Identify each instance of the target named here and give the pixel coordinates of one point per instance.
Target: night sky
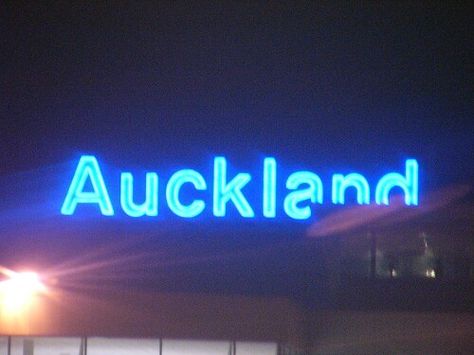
(145, 86)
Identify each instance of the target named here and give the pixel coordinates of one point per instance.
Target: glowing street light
(19, 291)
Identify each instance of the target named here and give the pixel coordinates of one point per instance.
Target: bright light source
(430, 273)
(19, 291)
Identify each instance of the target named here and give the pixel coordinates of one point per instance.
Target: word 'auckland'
(303, 189)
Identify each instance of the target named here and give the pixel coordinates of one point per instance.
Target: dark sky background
(327, 83)
(328, 86)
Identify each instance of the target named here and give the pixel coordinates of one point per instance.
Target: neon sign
(303, 189)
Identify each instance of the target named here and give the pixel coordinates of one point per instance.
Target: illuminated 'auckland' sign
(303, 189)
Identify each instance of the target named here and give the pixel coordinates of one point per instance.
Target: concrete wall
(170, 315)
(392, 332)
(197, 316)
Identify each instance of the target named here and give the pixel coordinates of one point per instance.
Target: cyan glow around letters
(303, 189)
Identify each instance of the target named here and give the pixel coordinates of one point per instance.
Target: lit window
(251, 348)
(45, 346)
(114, 346)
(195, 347)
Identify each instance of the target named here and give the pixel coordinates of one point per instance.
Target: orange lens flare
(19, 291)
